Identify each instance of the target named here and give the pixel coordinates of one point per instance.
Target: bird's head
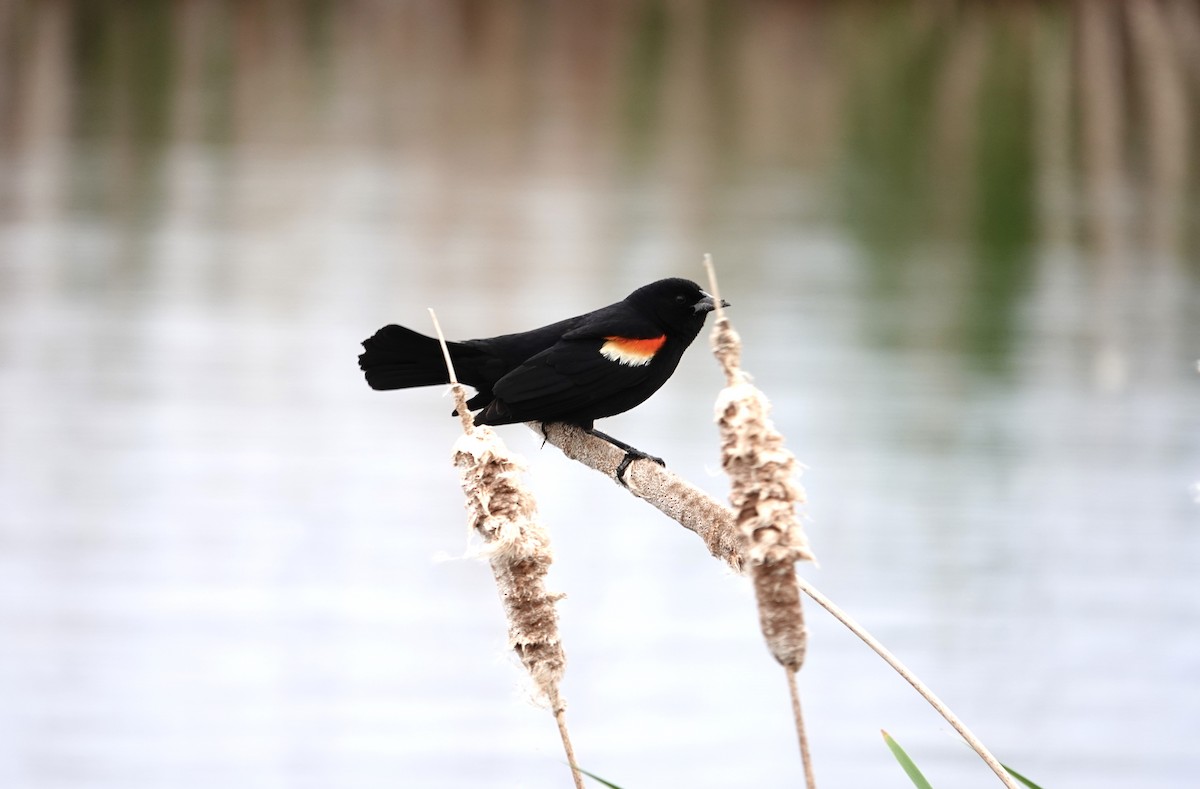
(679, 304)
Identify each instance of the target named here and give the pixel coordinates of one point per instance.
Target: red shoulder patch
(631, 350)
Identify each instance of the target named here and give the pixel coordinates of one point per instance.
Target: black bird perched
(575, 371)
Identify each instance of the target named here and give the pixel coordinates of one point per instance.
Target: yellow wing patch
(630, 351)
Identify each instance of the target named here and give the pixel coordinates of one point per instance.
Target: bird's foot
(631, 454)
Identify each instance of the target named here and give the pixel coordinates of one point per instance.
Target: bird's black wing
(581, 376)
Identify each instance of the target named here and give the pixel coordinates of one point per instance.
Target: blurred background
(962, 245)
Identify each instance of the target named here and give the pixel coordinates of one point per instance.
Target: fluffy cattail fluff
(504, 513)
(764, 495)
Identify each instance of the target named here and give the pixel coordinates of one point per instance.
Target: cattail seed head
(764, 495)
(504, 514)
(762, 472)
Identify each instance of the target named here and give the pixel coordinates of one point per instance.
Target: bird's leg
(631, 453)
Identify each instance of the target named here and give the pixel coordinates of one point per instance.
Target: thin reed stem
(810, 780)
(560, 718)
(911, 678)
(460, 393)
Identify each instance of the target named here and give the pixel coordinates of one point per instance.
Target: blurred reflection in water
(962, 246)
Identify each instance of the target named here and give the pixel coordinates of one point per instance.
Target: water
(962, 252)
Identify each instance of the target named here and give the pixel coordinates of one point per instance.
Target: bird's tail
(399, 358)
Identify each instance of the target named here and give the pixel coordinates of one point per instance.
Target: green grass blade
(910, 768)
(1020, 777)
(595, 777)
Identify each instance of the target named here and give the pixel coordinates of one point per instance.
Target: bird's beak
(708, 304)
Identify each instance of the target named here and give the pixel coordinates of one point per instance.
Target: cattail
(504, 514)
(764, 495)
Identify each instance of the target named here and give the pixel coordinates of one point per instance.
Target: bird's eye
(681, 299)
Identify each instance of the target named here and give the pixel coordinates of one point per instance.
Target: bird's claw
(630, 456)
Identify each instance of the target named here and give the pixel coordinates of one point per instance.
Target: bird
(573, 371)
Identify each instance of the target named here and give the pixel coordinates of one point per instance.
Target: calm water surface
(962, 251)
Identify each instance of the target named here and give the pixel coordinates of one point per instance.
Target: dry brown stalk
(764, 494)
(503, 511)
(674, 496)
(805, 756)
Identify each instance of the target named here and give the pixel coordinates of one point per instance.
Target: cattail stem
(912, 679)
(764, 496)
(672, 495)
(460, 394)
(560, 718)
(810, 780)
(504, 514)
